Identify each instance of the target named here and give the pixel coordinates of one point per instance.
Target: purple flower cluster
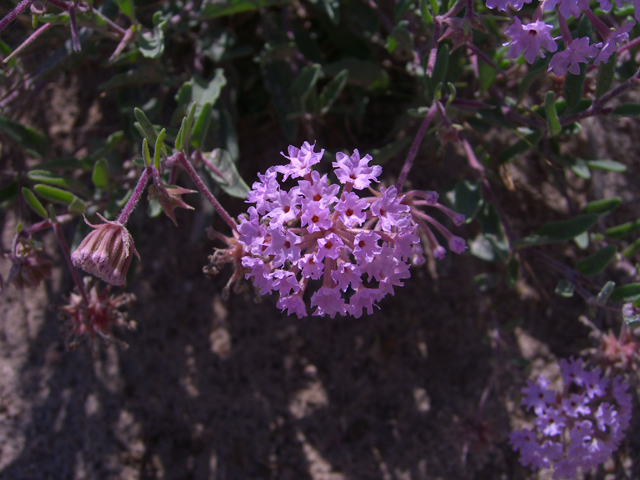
(528, 39)
(580, 427)
(359, 248)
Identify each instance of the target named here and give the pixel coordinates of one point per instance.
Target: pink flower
(576, 53)
(329, 302)
(352, 209)
(529, 38)
(611, 42)
(568, 7)
(301, 159)
(355, 170)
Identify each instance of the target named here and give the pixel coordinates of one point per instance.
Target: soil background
(425, 388)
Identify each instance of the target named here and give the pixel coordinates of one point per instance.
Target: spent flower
(106, 252)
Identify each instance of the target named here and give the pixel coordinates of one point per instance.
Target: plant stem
(408, 163)
(67, 256)
(135, 196)
(11, 16)
(205, 191)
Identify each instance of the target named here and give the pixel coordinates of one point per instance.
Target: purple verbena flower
(574, 429)
(576, 53)
(529, 38)
(611, 42)
(568, 8)
(319, 231)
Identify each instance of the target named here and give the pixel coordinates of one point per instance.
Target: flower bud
(106, 252)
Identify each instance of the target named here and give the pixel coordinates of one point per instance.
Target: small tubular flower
(106, 252)
(529, 38)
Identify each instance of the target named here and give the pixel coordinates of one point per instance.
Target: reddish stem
(66, 253)
(11, 16)
(205, 191)
(408, 163)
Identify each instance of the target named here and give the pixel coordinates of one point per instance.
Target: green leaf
(45, 176)
(626, 293)
(303, 85)
(604, 79)
(580, 168)
(632, 249)
(598, 261)
(567, 229)
(100, 174)
(425, 11)
(202, 91)
(603, 207)
(401, 8)
(608, 165)
(152, 43)
(221, 8)
(565, 289)
(77, 206)
(620, 231)
(605, 293)
(157, 153)
(332, 90)
(178, 144)
(627, 110)
(467, 198)
(559, 231)
(53, 194)
(552, 114)
(146, 157)
(149, 131)
(201, 126)
(573, 88)
(521, 146)
(34, 142)
(65, 164)
(188, 126)
(34, 203)
(126, 7)
(230, 181)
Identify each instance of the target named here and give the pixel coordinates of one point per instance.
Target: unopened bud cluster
(578, 428)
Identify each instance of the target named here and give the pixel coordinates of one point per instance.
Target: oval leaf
(620, 231)
(28, 138)
(45, 176)
(201, 126)
(230, 181)
(34, 203)
(55, 195)
(567, 229)
(597, 262)
(628, 110)
(603, 207)
(626, 293)
(100, 175)
(608, 165)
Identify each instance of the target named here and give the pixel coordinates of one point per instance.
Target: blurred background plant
(433, 90)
